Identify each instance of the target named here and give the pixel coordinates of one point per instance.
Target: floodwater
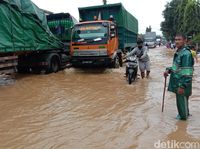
(95, 109)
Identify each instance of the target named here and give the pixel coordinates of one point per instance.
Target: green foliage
(191, 19)
(196, 38)
(171, 15)
(180, 13)
(181, 16)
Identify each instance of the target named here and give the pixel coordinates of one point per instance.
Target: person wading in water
(144, 61)
(181, 74)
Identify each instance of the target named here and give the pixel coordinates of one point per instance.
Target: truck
(150, 39)
(60, 25)
(102, 35)
(27, 43)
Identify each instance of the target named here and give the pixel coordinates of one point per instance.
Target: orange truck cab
(95, 43)
(101, 40)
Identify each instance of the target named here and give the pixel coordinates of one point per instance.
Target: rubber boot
(148, 72)
(142, 75)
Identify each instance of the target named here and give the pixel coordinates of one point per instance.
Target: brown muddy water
(94, 109)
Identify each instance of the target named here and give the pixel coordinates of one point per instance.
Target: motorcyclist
(144, 61)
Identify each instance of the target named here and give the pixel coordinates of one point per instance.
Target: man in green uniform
(181, 74)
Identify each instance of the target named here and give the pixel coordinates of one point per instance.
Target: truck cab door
(113, 40)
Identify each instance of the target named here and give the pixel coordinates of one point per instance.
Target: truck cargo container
(26, 41)
(102, 34)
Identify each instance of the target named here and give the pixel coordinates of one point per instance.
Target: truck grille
(95, 52)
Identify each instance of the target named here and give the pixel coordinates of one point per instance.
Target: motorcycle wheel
(129, 78)
(135, 75)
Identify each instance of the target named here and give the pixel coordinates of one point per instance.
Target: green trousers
(182, 106)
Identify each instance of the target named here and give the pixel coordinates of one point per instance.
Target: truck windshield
(89, 31)
(149, 40)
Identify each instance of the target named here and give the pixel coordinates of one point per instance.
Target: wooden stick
(164, 94)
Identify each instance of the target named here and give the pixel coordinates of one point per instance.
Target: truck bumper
(91, 61)
(150, 44)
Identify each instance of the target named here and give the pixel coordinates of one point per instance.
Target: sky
(148, 12)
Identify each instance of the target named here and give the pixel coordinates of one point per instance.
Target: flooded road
(95, 109)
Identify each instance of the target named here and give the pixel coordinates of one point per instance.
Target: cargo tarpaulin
(60, 25)
(24, 27)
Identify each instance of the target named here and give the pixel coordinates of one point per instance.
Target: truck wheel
(116, 62)
(54, 64)
(120, 59)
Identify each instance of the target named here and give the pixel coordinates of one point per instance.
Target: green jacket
(181, 72)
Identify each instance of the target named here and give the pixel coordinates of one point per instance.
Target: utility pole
(104, 2)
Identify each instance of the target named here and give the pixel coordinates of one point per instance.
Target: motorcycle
(131, 68)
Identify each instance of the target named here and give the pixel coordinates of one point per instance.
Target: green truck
(60, 25)
(26, 40)
(127, 24)
(102, 34)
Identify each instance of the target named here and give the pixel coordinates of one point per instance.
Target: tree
(181, 16)
(191, 22)
(169, 25)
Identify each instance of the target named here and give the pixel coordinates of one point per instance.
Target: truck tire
(120, 59)
(115, 63)
(54, 65)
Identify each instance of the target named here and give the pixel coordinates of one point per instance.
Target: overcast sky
(148, 12)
